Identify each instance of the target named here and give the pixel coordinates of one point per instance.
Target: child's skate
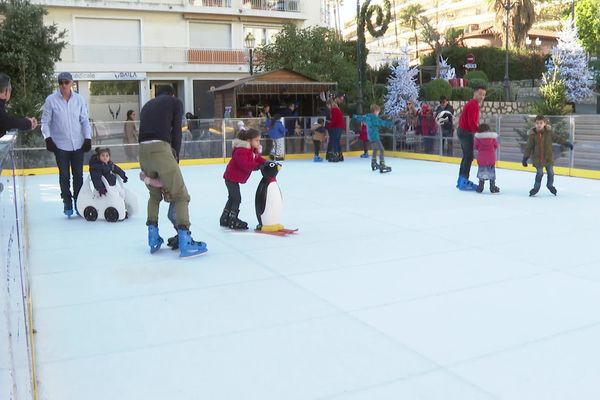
(493, 187)
(480, 186)
(384, 168)
(236, 223)
(552, 190)
(374, 165)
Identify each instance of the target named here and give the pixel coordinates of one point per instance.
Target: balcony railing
(211, 3)
(150, 55)
(273, 5)
(267, 5)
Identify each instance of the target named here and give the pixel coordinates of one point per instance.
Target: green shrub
(493, 94)
(480, 75)
(435, 89)
(553, 94)
(462, 93)
(473, 83)
(490, 60)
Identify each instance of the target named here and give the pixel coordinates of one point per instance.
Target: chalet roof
(491, 30)
(278, 77)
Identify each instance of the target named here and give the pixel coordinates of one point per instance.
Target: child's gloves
(569, 145)
(524, 162)
(102, 191)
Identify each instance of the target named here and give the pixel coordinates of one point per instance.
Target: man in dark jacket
(8, 122)
(160, 143)
(444, 115)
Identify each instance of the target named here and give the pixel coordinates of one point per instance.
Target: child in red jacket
(486, 144)
(245, 158)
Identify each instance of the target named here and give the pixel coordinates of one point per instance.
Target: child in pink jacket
(486, 144)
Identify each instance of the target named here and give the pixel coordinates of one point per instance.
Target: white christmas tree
(571, 60)
(401, 87)
(446, 70)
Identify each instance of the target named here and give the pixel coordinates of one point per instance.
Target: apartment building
(120, 50)
(470, 15)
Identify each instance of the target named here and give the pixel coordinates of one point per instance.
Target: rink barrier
(15, 225)
(511, 165)
(209, 141)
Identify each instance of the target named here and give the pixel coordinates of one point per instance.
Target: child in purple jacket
(486, 144)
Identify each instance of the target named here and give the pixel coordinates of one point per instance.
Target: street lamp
(359, 64)
(249, 44)
(506, 86)
(534, 45)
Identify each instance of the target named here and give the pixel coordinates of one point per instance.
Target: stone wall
(492, 107)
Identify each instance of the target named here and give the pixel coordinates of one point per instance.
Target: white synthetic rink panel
(397, 286)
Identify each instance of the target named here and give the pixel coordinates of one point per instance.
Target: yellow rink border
(565, 171)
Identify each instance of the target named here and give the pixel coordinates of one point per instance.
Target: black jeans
(235, 196)
(69, 163)
(466, 144)
(317, 144)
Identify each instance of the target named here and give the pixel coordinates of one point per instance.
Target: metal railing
(16, 368)
(150, 55)
(211, 3)
(273, 5)
(211, 138)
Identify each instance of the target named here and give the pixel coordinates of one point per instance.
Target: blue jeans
(540, 174)
(69, 163)
(335, 135)
(172, 215)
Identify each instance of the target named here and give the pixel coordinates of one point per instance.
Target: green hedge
(462, 93)
(435, 89)
(473, 83)
(493, 94)
(479, 75)
(490, 60)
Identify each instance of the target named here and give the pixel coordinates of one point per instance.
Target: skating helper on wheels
(269, 202)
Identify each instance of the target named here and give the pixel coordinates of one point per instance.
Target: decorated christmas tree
(571, 60)
(401, 87)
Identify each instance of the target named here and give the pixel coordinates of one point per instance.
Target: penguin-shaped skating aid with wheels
(269, 202)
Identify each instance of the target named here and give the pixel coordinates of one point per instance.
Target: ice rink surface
(397, 286)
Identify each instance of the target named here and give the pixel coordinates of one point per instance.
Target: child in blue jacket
(277, 134)
(373, 123)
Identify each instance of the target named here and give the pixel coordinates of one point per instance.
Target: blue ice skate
(317, 159)
(465, 184)
(188, 247)
(68, 208)
(154, 239)
(364, 155)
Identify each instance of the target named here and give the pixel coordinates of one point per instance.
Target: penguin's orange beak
(279, 166)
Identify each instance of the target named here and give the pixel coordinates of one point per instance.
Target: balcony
(151, 55)
(211, 3)
(228, 7)
(272, 5)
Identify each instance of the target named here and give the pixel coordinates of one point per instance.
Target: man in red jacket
(336, 128)
(467, 127)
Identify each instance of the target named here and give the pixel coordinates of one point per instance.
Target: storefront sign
(108, 76)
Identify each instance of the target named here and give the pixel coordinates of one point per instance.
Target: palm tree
(411, 18)
(522, 17)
